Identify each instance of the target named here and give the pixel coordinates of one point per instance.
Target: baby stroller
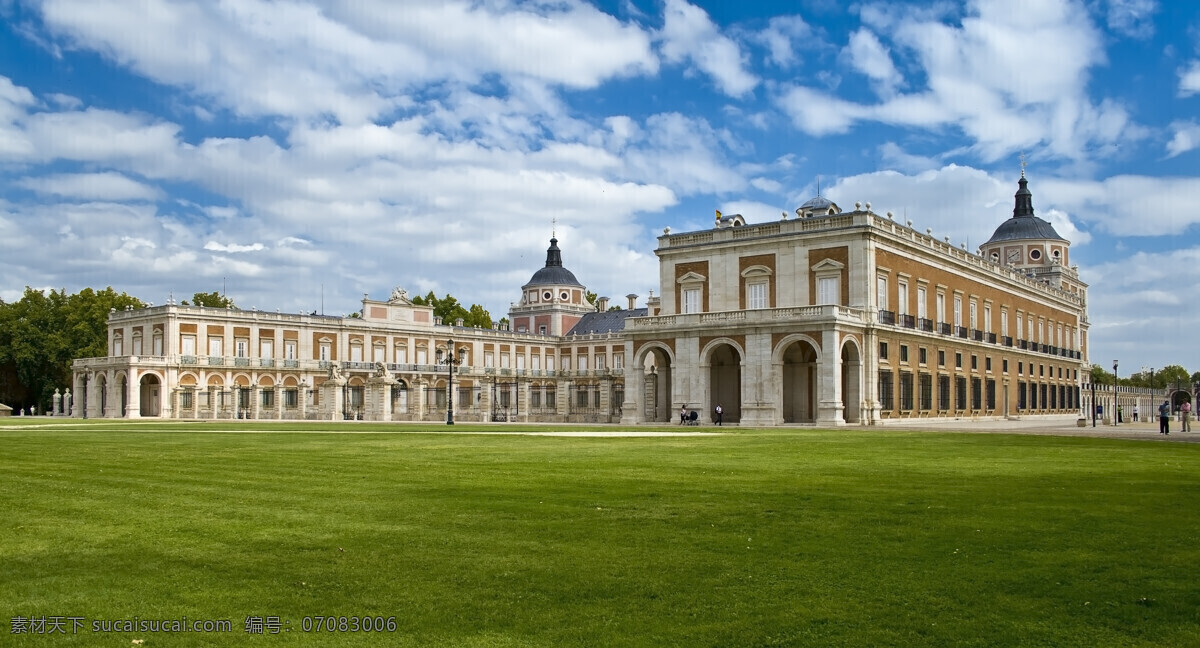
(693, 418)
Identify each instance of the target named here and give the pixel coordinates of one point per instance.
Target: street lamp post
(1093, 401)
(451, 360)
(1116, 388)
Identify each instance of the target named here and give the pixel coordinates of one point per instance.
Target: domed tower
(552, 301)
(1029, 244)
(817, 207)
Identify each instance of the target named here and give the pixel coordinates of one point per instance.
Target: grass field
(755, 538)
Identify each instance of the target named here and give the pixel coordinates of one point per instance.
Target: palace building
(826, 318)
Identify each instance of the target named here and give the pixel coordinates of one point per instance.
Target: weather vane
(1022, 164)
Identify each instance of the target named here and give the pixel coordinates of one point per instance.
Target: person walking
(719, 414)
(1164, 418)
(1185, 414)
(683, 415)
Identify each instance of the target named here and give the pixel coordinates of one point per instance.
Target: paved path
(1054, 426)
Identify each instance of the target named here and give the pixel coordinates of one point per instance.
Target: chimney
(632, 300)
(602, 304)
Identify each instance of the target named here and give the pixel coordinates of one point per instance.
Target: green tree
(1170, 376)
(212, 299)
(41, 334)
(478, 317)
(450, 310)
(1100, 376)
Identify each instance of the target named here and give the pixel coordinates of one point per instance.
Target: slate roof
(605, 322)
(554, 274)
(1024, 225)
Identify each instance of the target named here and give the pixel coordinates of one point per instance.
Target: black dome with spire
(1024, 225)
(554, 274)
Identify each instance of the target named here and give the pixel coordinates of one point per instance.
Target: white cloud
(688, 34)
(870, 57)
(984, 78)
(1133, 18)
(1186, 137)
(354, 61)
(233, 247)
(961, 202)
(780, 38)
(1120, 204)
(106, 186)
(1189, 79)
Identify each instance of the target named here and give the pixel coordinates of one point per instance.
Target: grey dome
(1024, 225)
(554, 274)
(819, 202)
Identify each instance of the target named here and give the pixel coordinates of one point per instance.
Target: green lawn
(755, 538)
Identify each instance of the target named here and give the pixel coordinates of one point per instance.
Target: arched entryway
(725, 381)
(123, 395)
(799, 388)
(651, 382)
(100, 386)
(150, 393)
(851, 382)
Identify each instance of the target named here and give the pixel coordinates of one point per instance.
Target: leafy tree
(1100, 376)
(478, 317)
(1171, 375)
(450, 310)
(41, 334)
(212, 299)
(591, 298)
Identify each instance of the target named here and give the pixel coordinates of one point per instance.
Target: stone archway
(725, 381)
(150, 395)
(851, 360)
(123, 395)
(799, 385)
(101, 388)
(658, 386)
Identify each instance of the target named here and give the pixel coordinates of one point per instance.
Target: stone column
(635, 386)
(829, 380)
(255, 400)
(133, 388)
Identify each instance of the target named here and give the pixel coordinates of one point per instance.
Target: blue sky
(300, 154)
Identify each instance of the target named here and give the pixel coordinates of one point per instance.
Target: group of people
(1164, 417)
(684, 416)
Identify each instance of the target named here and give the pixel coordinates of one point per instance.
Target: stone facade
(830, 318)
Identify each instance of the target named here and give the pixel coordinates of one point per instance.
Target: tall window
(289, 349)
(881, 290)
(240, 346)
(187, 345)
(987, 319)
(215, 346)
(974, 316)
(756, 295)
(266, 348)
(378, 353)
(324, 349)
(1020, 324)
(827, 290)
(921, 308)
(1004, 323)
(902, 298)
(691, 300)
(887, 390)
(941, 307)
(957, 311)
